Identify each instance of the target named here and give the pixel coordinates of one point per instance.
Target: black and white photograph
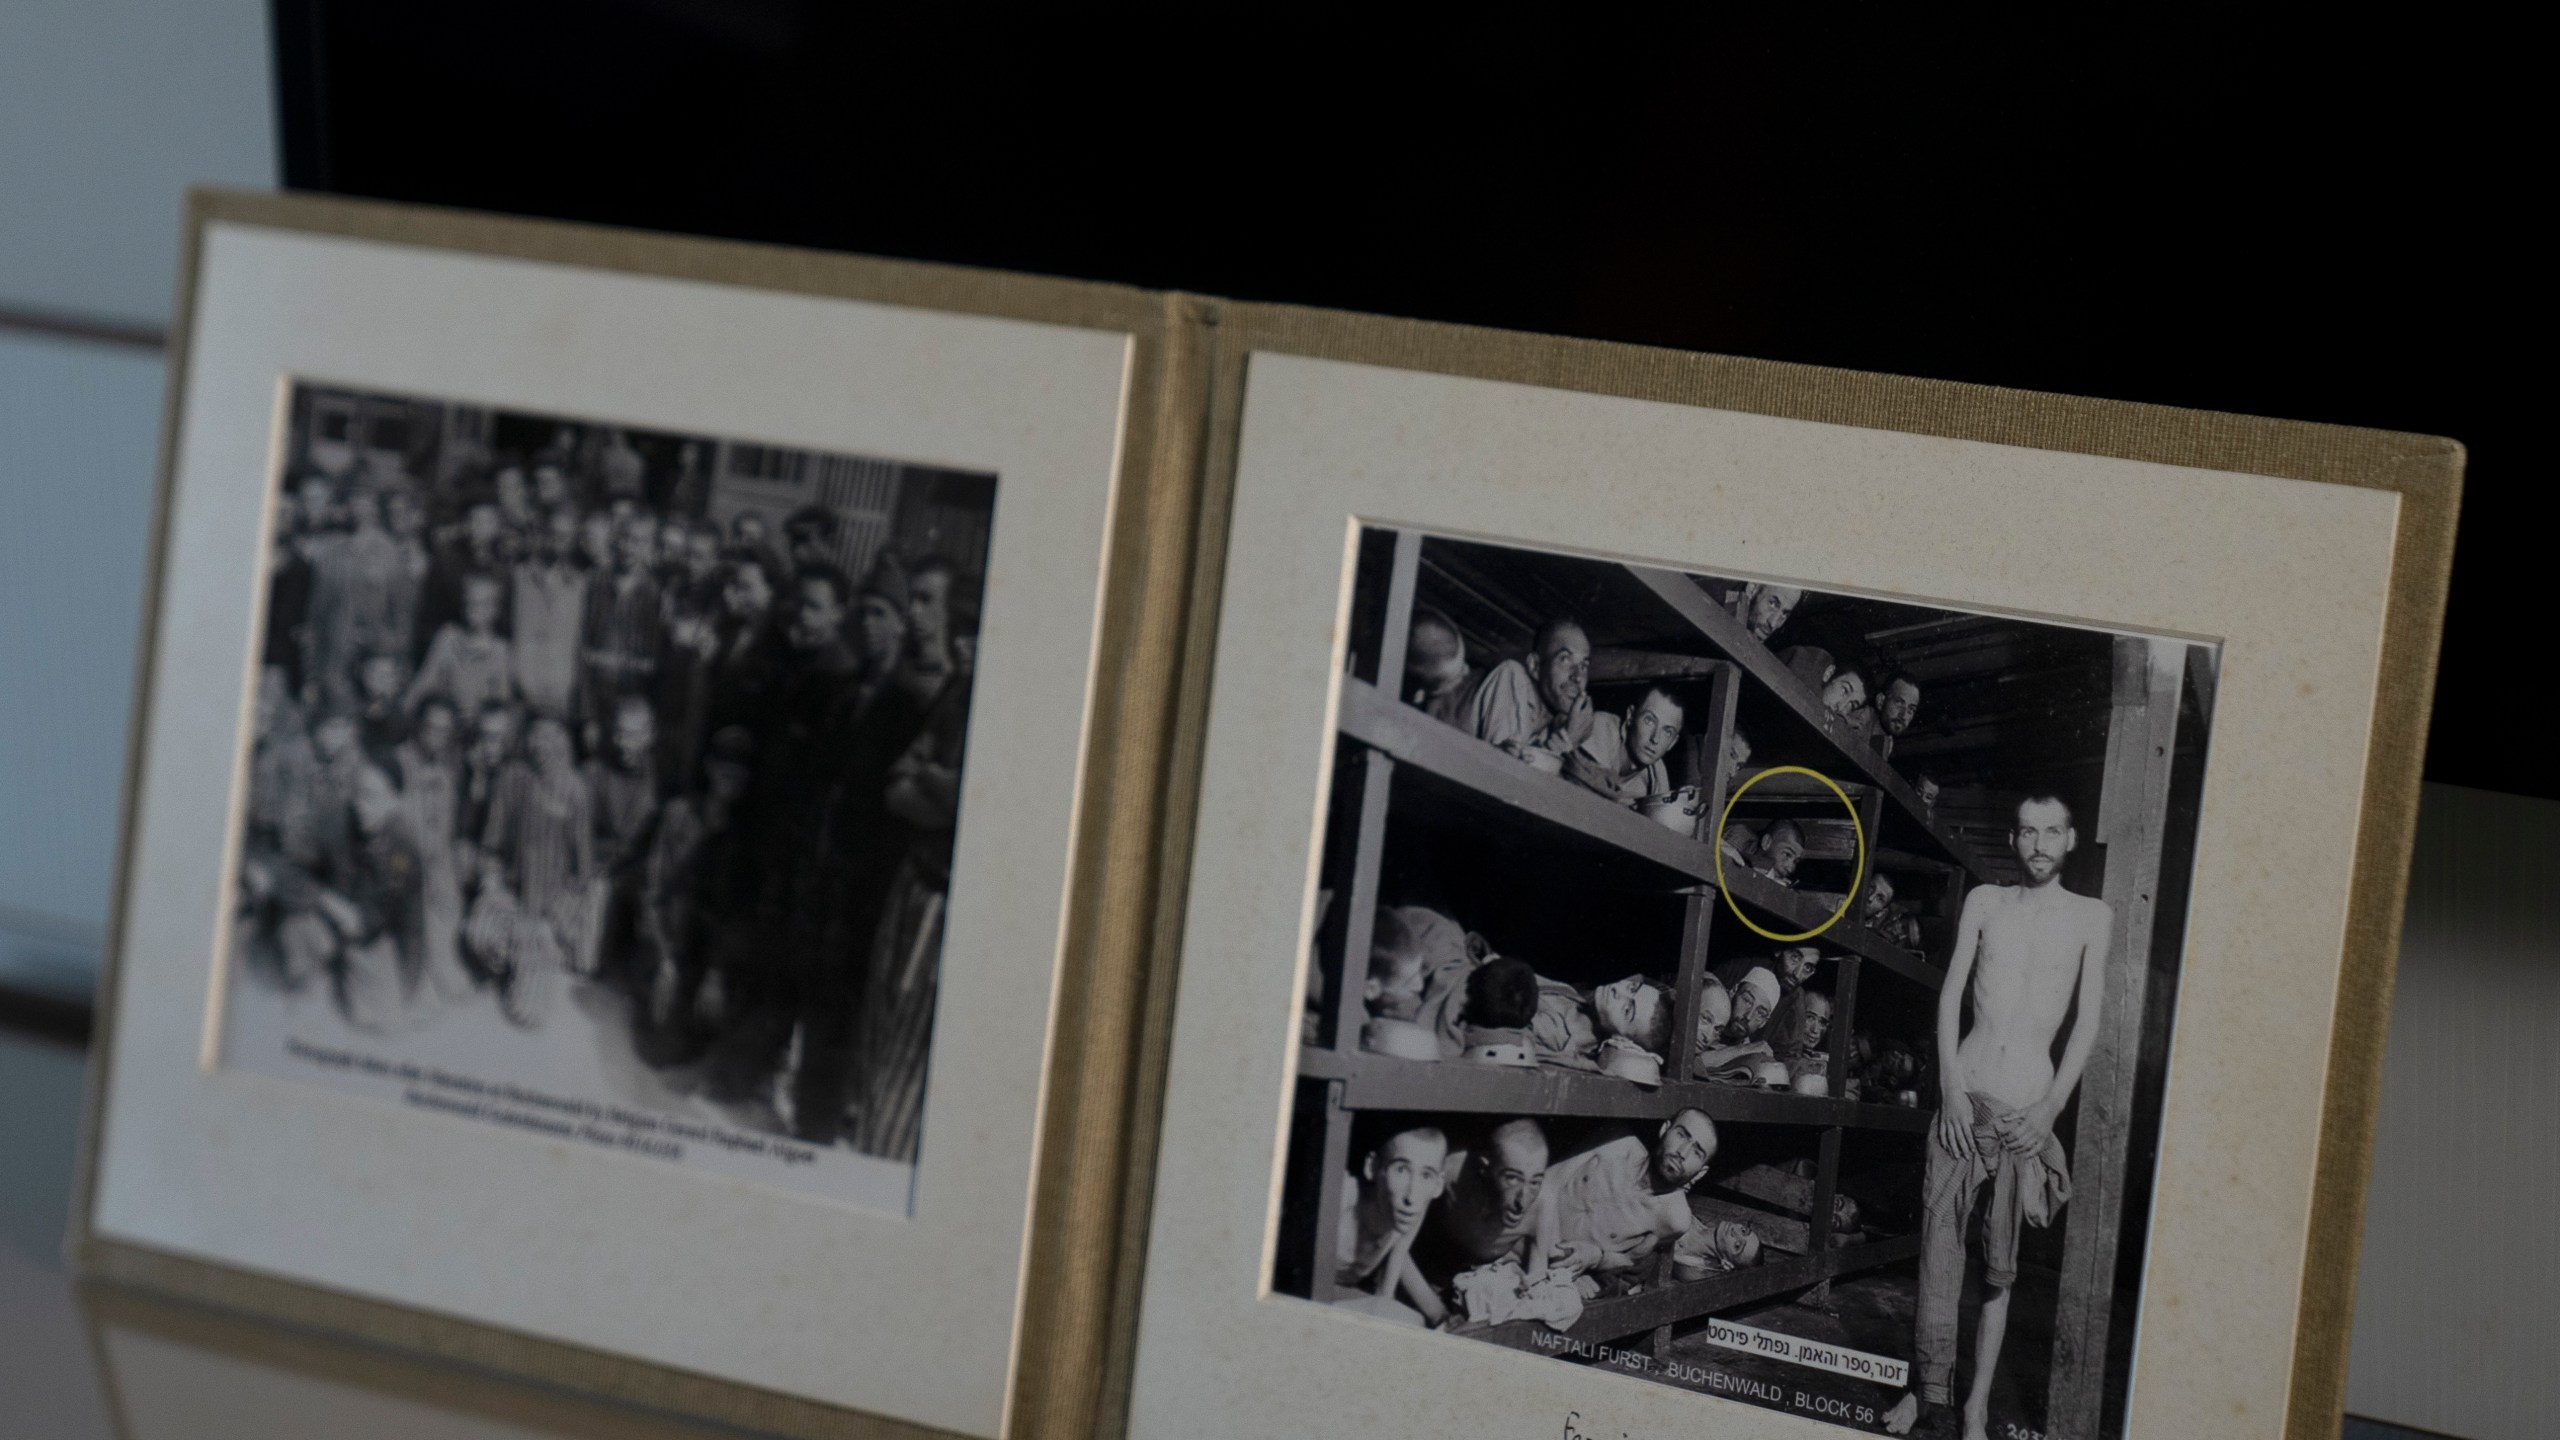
(603, 783)
(1763, 989)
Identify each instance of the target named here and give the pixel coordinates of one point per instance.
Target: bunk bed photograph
(1820, 1160)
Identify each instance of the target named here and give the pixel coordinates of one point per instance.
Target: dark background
(2319, 220)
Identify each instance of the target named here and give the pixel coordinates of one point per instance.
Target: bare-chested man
(1490, 1209)
(1536, 707)
(2022, 954)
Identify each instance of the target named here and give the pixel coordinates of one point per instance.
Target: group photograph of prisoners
(1751, 987)
(608, 775)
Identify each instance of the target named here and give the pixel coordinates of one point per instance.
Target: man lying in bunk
(1623, 756)
(1383, 1203)
(1897, 704)
(1489, 1212)
(1737, 754)
(1763, 608)
(1416, 983)
(1734, 1009)
(1478, 1246)
(1577, 1030)
(1795, 967)
(2023, 955)
(1772, 854)
(1604, 1210)
(1881, 914)
(1536, 708)
(1437, 677)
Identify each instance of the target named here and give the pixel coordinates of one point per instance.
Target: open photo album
(844, 846)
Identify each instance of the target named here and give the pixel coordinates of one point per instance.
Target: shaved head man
(1436, 674)
(1764, 608)
(1491, 1206)
(1897, 704)
(1536, 708)
(2023, 955)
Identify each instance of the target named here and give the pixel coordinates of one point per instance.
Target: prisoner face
(701, 553)
(1563, 668)
(1626, 1007)
(496, 734)
(1786, 851)
(1518, 1162)
(1407, 1170)
(634, 731)
(1655, 729)
(929, 607)
(435, 728)
(335, 737)
(748, 592)
(672, 538)
(820, 614)
(2044, 835)
(1817, 1019)
(1799, 963)
(1769, 610)
(549, 745)
(550, 486)
(481, 524)
(883, 628)
(480, 604)
(1687, 1144)
(375, 799)
(1879, 898)
(1435, 658)
(1844, 693)
(562, 532)
(318, 504)
(1901, 705)
(1715, 1009)
(1736, 1244)
(636, 544)
(1750, 1011)
(1737, 753)
(380, 677)
(595, 537)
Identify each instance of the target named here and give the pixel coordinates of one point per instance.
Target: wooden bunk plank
(2132, 818)
(1408, 735)
(1416, 739)
(1730, 636)
(1802, 912)
(1334, 1174)
(1777, 1232)
(1381, 1082)
(1612, 665)
(1622, 1315)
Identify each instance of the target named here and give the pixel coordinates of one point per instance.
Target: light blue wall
(109, 109)
(79, 426)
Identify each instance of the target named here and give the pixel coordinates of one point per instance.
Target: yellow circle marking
(1857, 877)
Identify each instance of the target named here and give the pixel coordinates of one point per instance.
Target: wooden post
(1844, 1019)
(1368, 847)
(1329, 1182)
(2132, 814)
(1826, 1183)
(1698, 920)
(1724, 697)
(1360, 912)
